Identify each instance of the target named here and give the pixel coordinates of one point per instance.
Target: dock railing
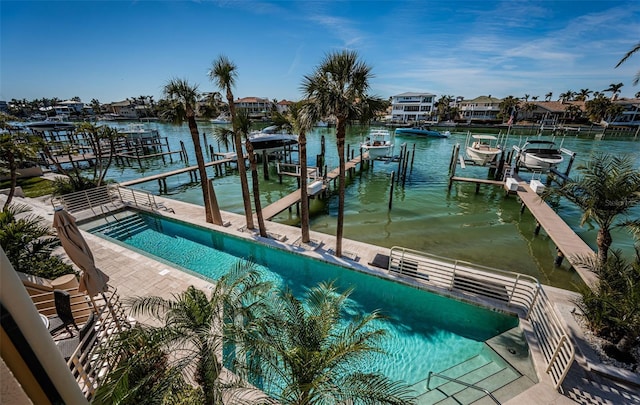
(516, 290)
(104, 199)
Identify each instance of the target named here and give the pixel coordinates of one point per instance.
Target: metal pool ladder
(475, 387)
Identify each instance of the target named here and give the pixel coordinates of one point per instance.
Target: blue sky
(111, 50)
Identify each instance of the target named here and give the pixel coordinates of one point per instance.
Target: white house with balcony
(483, 109)
(413, 107)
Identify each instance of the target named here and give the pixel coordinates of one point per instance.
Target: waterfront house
(256, 107)
(481, 110)
(412, 107)
(630, 115)
(282, 106)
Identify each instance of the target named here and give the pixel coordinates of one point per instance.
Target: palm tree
(300, 119)
(583, 94)
(633, 50)
(614, 88)
(608, 188)
(223, 73)
(188, 341)
(547, 97)
(338, 88)
(15, 149)
(243, 125)
(184, 96)
(310, 354)
(567, 96)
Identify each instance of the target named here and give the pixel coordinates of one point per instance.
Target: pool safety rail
(475, 387)
(105, 199)
(519, 291)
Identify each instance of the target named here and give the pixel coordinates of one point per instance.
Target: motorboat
(378, 144)
(51, 124)
(270, 139)
(221, 119)
(138, 131)
(482, 149)
(539, 155)
(421, 131)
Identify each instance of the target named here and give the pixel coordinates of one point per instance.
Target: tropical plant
(29, 243)
(310, 352)
(633, 50)
(598, 108)
(548, 96)
(583, 94)
(16, 150)
(612, 308)
(243, 126)
(103, 143)
(508, 108)
(567, 96)
(338, 88)
(223, 73)
(184, 96)
(299, 119)
(607, 188)
(614, 88)
(186, 346)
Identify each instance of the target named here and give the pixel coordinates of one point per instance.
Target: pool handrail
(510, 288)
(475, 387)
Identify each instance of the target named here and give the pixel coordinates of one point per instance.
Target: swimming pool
(426, 332)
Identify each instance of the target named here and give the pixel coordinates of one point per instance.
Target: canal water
(485, 228)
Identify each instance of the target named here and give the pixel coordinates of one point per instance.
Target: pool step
(125, 227)
(488, 372)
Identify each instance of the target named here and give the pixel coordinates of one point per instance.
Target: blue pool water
(426, 332)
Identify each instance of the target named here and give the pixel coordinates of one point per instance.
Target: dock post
(573, 156)
(559, 257)
(454, 164)
(159, 186)
(391, 190)
(265, 165)
(522, 207)
(406, 164)
(413, 155)
(537, 230)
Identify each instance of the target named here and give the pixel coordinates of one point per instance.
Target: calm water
(426, 332)
(484, 228)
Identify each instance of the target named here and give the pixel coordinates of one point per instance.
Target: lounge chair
(64, 316)
(84, 339)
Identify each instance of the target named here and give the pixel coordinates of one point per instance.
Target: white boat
(539, 155)
(270, 139)
(51, 124)
(138, 131)
(482, 149)
(221, 119)
(378, 144)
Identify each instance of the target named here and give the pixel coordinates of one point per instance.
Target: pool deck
(133, 274)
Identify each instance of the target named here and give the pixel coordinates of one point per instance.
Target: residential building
(282, 106)
(550, 112)
(257, 107)
(412, 107)
(631, 114)
(481, 110)
(125, 109)
(72, 105)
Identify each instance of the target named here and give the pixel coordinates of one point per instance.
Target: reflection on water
(484, 228)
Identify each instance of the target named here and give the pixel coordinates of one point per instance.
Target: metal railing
(104, 199)
(89, 362)
(486, 392)
(510, 288)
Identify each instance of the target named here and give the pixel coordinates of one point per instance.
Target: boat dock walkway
(293, 198)
(568, 243)
(162, 177)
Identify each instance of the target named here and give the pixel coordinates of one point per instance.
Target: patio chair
(84, 339)
(64, 318)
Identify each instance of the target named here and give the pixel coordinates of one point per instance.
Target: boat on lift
(138, 131)
(55, 123)
(482, 149)
(271, 139)
(422, 131)
(378, 144)
(539, 155)
(221, 119)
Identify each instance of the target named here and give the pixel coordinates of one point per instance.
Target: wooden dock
(293, 198)
(565, 239)
(161, 177)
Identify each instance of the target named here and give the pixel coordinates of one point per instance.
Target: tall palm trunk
(195, 136)
(256, 188)
(13, 168)
(242, 170)
(304, 198)
(603, 240)
(340, 135)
